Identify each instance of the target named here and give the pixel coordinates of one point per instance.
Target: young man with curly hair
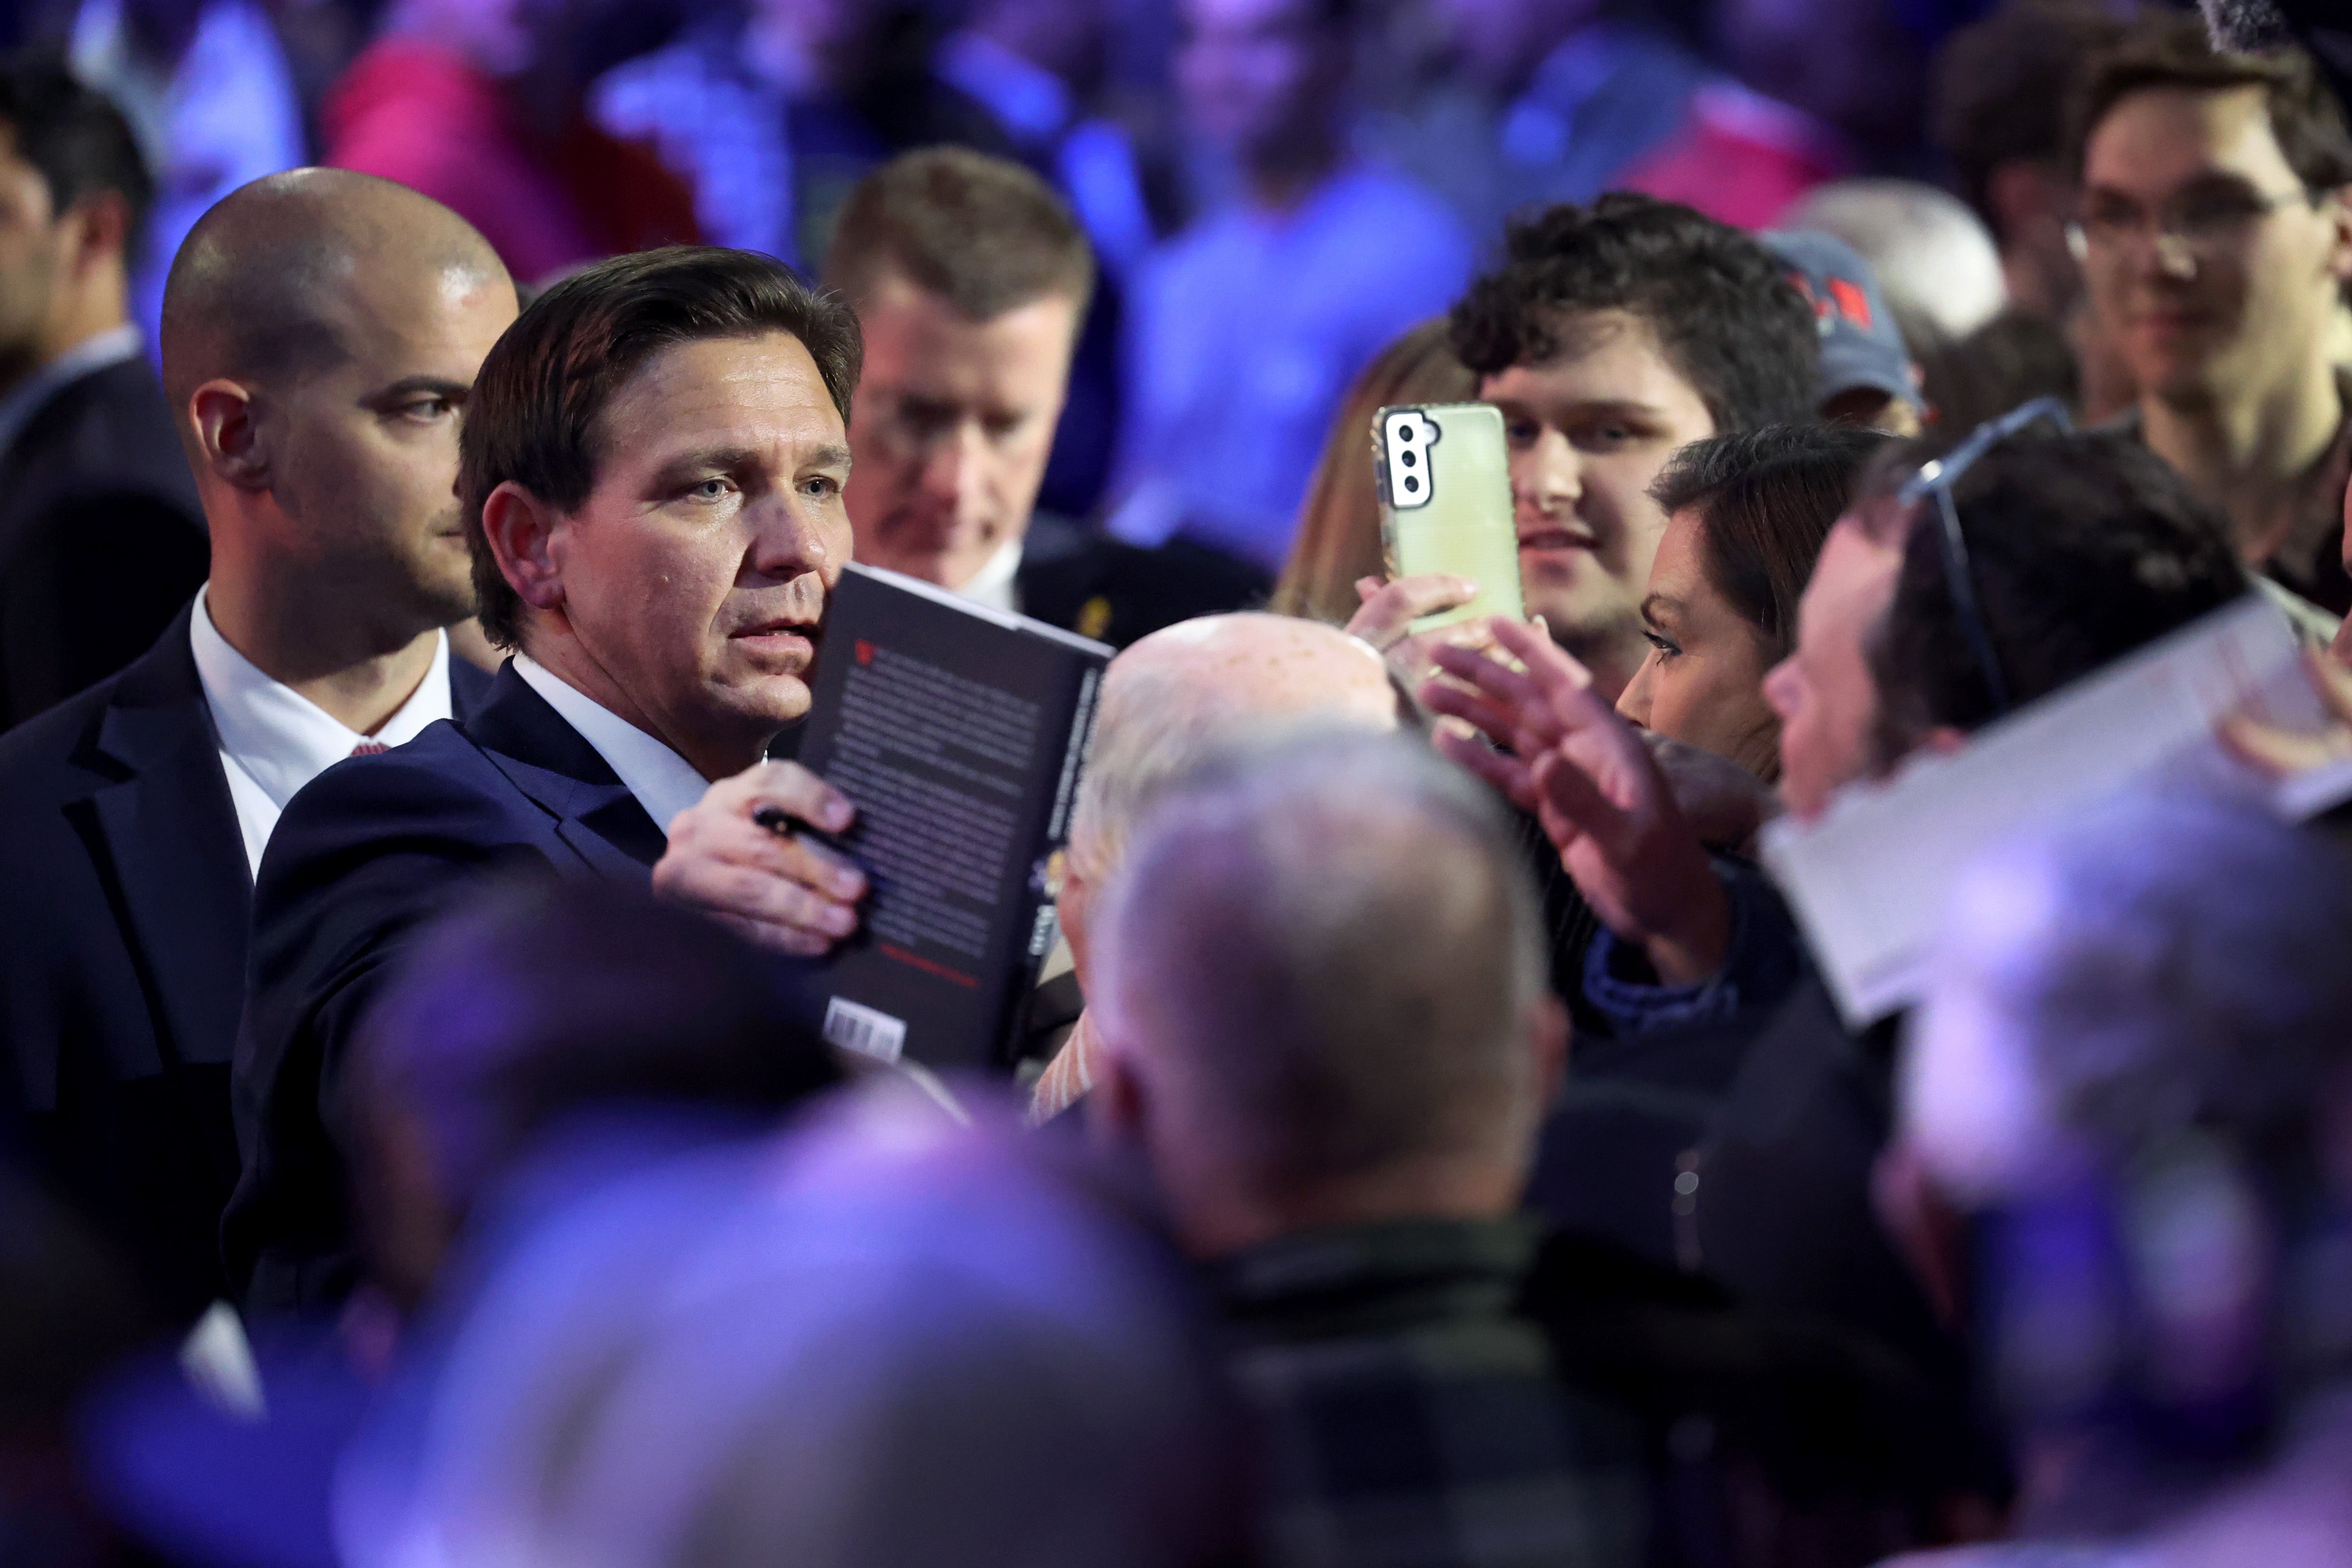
(1610, 335)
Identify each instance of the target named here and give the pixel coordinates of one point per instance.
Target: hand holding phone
(1445, 503)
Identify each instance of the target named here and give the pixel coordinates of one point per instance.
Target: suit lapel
(179, 870)
(554, 765)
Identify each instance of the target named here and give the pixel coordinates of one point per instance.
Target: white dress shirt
(95, 353)
(274, 739)
(663, 783)
(992, 585)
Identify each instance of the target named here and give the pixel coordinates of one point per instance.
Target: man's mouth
(1555, 536)
(794, 641)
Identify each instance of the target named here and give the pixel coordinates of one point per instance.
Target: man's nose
(952, 468)
(1553, 473)
(787, 539)
(2158, 252)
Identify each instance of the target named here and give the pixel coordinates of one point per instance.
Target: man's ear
(98, 230)
(1116, 1108)
(2336, 207)
(231, 442)
(520, 529)
(1071, 909)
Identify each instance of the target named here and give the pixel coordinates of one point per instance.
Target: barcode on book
(864, 1030)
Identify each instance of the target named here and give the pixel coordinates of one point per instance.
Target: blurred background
(568, 128)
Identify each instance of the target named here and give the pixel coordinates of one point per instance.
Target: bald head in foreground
(1322, 993)
(1326, 1027)
(1169, 702)
(321, 332)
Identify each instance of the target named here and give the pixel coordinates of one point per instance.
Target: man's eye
(1607, 437)
(428, 409)
(1519, 432)
(820, 487)
(711, 489)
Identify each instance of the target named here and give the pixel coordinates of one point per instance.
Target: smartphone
(1445, 502)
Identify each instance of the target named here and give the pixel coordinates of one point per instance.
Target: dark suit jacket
(122, 949)
(1743, 1148)
(1115, 591)
(372, 848)
(101, 537)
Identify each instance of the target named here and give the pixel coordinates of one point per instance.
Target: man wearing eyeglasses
(2215, 233)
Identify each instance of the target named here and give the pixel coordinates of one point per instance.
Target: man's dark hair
(2174, 52)
(534, 413)
(78, 141)
(2083, 547)
(2011, 360)
(2002, 86)
(983, 233)
(1724, 311)
(1766, 499)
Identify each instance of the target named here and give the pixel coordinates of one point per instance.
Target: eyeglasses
(2199, 221)
(1937, 478)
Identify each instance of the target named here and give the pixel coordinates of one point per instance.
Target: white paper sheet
(1869, 878)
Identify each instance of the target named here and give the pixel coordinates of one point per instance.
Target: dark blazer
(122, 949)
(101, 537)
(1115, 591)
(372, 848)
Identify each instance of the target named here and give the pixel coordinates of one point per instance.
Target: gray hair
(1332, 943)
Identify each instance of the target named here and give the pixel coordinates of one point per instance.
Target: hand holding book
(784, 890)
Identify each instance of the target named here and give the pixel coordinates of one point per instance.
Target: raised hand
(2278, 752)
(1591, 780)
(1384, 620)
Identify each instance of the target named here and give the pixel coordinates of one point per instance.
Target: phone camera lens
(1408, 458)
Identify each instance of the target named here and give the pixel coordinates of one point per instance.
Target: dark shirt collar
(2310, 559)
(1369, 1277)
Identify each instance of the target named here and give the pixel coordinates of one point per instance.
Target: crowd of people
(431, 436)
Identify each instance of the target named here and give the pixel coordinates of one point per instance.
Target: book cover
(959, 733)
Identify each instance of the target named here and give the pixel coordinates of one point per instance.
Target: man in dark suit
(132, 817)
(970, 278)
(101, 536)
(672, 419)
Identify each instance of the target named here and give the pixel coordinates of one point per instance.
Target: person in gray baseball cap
(1866, 374)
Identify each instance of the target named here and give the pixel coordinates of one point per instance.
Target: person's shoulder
(1417, 234)
(50, 757)
(107, 434)
(440, 788)
(1375, 191)
(1116, 591)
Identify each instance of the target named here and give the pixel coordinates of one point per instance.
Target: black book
(958, 732)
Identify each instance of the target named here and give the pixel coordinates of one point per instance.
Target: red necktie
(369, 748)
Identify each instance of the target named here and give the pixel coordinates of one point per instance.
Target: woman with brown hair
(1745, 516)
(1339, 537)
